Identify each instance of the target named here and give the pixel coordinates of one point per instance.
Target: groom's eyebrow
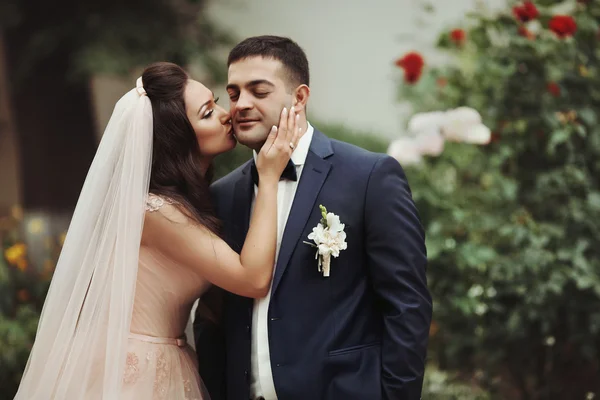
(260, 82)
(253, 83)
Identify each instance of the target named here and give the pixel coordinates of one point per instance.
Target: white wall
(351, 46)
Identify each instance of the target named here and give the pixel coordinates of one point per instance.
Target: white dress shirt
(261, 378)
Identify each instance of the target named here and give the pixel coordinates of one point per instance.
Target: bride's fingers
(270, 139)
(297, 131)
(281, 130)
(291, 123)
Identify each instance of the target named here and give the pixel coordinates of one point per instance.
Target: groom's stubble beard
(256, 137)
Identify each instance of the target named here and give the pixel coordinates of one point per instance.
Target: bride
(144, 243)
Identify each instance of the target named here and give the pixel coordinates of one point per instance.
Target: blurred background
(491, 106)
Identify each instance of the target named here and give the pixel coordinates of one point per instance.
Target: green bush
(512, 227)
(23, 288)
(441, 385)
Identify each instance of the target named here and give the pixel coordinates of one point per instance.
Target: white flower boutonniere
(329, 239)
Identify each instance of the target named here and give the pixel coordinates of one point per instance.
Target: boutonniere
(329, 239)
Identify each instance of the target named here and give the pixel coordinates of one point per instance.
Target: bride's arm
(186, 243)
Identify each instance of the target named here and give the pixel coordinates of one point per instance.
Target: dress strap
(180, 342)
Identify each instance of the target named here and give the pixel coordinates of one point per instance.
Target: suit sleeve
(209, 337)
(395, 243)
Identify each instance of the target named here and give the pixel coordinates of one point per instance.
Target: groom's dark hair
(283, 49)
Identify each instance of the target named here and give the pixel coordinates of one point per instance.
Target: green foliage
(23, 288)
(511, 227)
(440, 385)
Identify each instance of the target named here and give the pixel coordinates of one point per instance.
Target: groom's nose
(244, 102)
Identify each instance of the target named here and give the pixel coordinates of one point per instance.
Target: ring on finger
(292, 145)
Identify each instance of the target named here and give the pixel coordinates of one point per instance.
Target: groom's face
(258, 91)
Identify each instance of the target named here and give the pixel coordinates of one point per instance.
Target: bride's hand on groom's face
(277, 150)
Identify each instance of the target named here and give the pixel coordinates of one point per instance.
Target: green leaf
(588, 116)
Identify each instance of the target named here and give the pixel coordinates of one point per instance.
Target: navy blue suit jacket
(360, 333)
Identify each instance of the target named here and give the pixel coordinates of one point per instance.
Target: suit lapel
(240, 218)
(314, 174)
(240, 212)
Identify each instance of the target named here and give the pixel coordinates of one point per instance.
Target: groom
(361, 332)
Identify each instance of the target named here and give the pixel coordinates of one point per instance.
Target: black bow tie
(289, 172)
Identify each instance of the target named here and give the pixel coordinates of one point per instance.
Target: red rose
(526, 12)
(412, 63)
(458, 36)
(554, 89)
(563, 25)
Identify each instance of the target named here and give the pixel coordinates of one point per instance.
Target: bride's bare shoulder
(159, 207)
(166, 223)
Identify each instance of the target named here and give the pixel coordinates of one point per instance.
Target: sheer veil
(81, 339)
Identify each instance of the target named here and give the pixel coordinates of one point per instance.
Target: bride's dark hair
(176, 171)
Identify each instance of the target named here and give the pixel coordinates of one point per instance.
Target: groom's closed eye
(259, 88)
(260, 94)
(233, 94)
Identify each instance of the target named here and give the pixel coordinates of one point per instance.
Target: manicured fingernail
(292, 109)
(284, 110)
(274, 128)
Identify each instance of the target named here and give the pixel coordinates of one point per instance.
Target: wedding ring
(292, 145)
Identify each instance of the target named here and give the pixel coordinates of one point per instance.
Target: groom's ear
(301, 95)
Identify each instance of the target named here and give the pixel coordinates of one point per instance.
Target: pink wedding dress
(160, 364)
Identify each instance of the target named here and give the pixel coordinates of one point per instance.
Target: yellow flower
(561, 117)
(583, 71)
(567, 116)
(15, 253)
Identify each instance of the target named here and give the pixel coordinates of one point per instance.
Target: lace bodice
(165, 290)
(155, 202)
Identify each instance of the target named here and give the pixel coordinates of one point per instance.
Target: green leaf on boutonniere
(324, 216)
